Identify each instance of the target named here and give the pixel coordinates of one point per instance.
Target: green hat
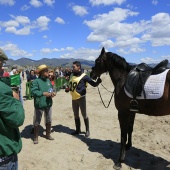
(3, 55)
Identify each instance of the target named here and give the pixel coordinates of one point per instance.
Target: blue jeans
(10, 165)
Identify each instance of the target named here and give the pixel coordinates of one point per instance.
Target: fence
(28, 91)
(60, 83)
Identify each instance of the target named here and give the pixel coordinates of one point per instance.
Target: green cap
(3, 55)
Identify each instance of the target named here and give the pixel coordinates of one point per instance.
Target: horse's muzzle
(93, 76)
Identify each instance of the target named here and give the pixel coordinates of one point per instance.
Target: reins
(102, 99)
(108, 91)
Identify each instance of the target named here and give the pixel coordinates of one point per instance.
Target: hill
(54, 62)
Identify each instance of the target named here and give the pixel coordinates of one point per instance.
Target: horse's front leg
(124, 123)
(130, 130)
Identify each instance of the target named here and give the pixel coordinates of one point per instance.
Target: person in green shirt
(12, 116)
(42, 92)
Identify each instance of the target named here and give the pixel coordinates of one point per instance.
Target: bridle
(101, 61)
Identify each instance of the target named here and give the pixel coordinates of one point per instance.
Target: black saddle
(138, 76)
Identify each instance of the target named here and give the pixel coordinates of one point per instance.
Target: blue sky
(138, 30)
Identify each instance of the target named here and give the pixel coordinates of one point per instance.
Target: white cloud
(48, 50)
(108, 44)
(7, 2)
(36, 3)
(166, 57)
(112, 29)
(10, 23)
(21, 25)
(21, 19)
(42, 22)
(22, 31)
(70, 52)
(154, 2)
(111, 25)
(79, 10)
(69, 48)
(63, 49)
(83, 53)
(11, 30)
(25, 7)
(49, 2)
(107, 19)
(59, 20)
(45, 36)
(45, 50)
(15, 51)
(159, 32)
(106, 2)
(150, 60)
(132, 49)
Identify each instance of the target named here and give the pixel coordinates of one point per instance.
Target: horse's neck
(117, 76)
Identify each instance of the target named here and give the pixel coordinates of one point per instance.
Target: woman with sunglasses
(51, 77)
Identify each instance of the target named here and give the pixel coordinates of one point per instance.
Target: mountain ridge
(53, 62)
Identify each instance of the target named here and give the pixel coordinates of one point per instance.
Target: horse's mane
(119, 61)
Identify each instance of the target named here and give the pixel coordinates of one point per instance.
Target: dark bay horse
(118, 69)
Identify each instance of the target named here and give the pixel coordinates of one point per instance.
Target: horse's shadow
(135, 158)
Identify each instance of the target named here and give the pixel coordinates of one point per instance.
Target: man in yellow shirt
(77, 87)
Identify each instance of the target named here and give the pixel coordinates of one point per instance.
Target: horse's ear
(103, 51)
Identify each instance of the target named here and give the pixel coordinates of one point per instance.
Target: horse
(118, 70)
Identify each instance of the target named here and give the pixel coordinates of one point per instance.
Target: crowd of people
(42, 89)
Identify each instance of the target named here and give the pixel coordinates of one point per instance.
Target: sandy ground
(151, 137)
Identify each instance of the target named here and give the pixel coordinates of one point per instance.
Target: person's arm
(11, 111)
(36, 92)
(15, 94)
(91, 82)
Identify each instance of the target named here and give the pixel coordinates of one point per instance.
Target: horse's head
(100, 66)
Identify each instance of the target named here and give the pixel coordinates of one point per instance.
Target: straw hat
(3, 55)
(41, 68)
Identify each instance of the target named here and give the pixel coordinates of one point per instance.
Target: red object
(6, 74)
(52, 82)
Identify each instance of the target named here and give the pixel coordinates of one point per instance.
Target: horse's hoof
(117, 166)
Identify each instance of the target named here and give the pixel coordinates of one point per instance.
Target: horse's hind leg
(130, 130)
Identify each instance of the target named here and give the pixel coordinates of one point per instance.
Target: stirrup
(134, 107)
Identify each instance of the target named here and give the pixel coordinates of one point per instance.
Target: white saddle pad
(154, 86)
